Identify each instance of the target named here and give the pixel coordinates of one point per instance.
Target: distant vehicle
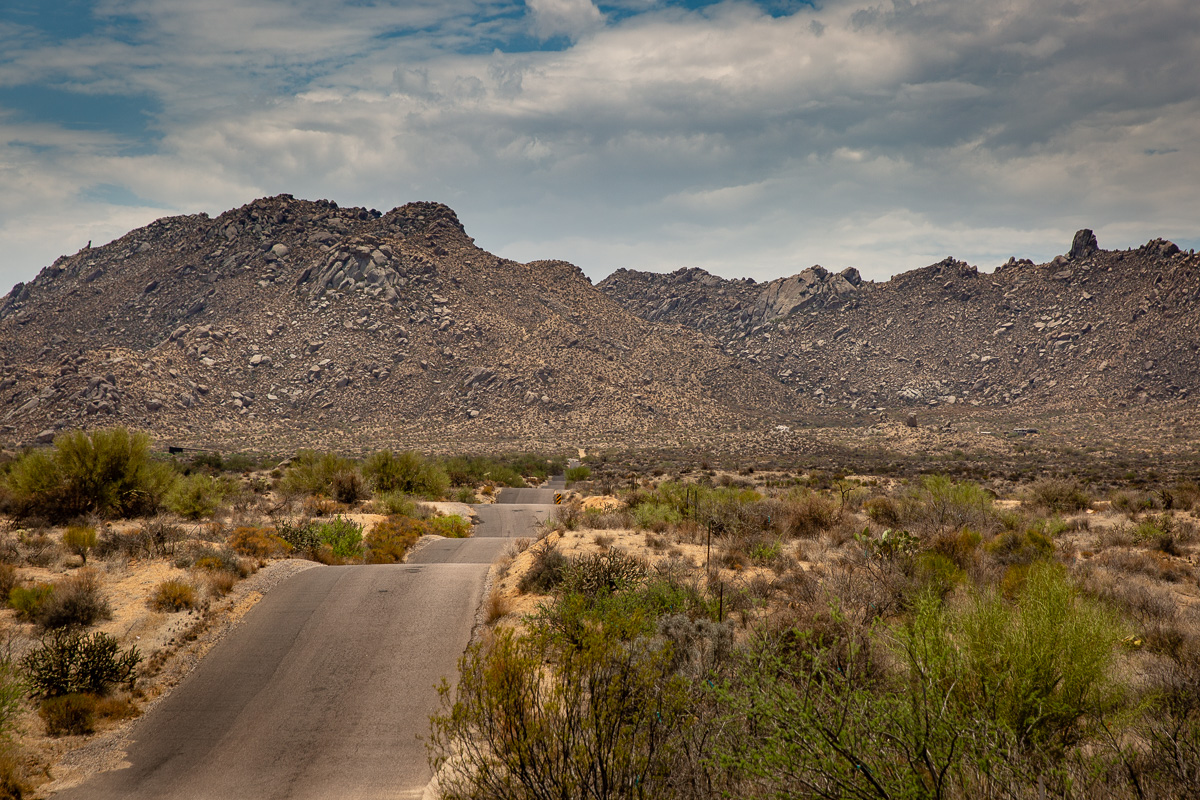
(1024, 431)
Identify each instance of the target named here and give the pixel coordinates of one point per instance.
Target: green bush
(601, 718)
(395, 503)
(79, 540)
(580, 473)
(452, 526)
(344, 536)
(69, 714)
(1040, 667)
(315, 474)
(653, 516)
(71, 662)
(303, 535)
(196, 496)
(107, 472)
(28, 600)
(407, 472)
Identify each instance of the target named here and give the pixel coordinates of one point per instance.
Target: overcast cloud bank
(748, 139)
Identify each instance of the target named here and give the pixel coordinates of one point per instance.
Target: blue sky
(748, 138)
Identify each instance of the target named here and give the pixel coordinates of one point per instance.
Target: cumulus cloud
(883, 136)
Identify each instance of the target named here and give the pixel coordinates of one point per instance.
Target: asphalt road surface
(323, 688)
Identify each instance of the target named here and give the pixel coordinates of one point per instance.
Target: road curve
(323, 688)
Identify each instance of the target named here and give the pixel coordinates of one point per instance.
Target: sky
(752, 139)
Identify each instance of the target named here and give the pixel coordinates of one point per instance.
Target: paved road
(323, 688)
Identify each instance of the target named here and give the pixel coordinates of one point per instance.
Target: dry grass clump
(174, 595)
(498, 606)
(1151, 563)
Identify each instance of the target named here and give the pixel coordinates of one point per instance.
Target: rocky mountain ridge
(289, 322)
(1089, 328)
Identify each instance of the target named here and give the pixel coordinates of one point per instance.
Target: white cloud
(571, 18)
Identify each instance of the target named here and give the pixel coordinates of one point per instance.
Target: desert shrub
(940, 504)
(597, 573)
(206, 558)
(28, 600)
(106, 472)
(566, 517)
(302, 535)
(343, 536)
(220, 583)
(1153, 564)
(158, 536)
(314, 473)
(1131, 503)
(197, 495)
(390, 539)
(884, 510)
(39, 548)
(979, 695)
(1039, 667)
(8, 580)
(545, 573)
(391, 503)
(654, 516)
(580, 473)
(70, 662)
(74, 601)
(408, 472)
(69, 714)
(606, 719)
(465, 494)
(809, 514)
(1059, 495)
(258, 542)
(79, 540)
(452, 526)
(13, 783)
(497, 607)
(504, 471)
(1011, 547)
(173, 595)
(348, 487)
(116, 707)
